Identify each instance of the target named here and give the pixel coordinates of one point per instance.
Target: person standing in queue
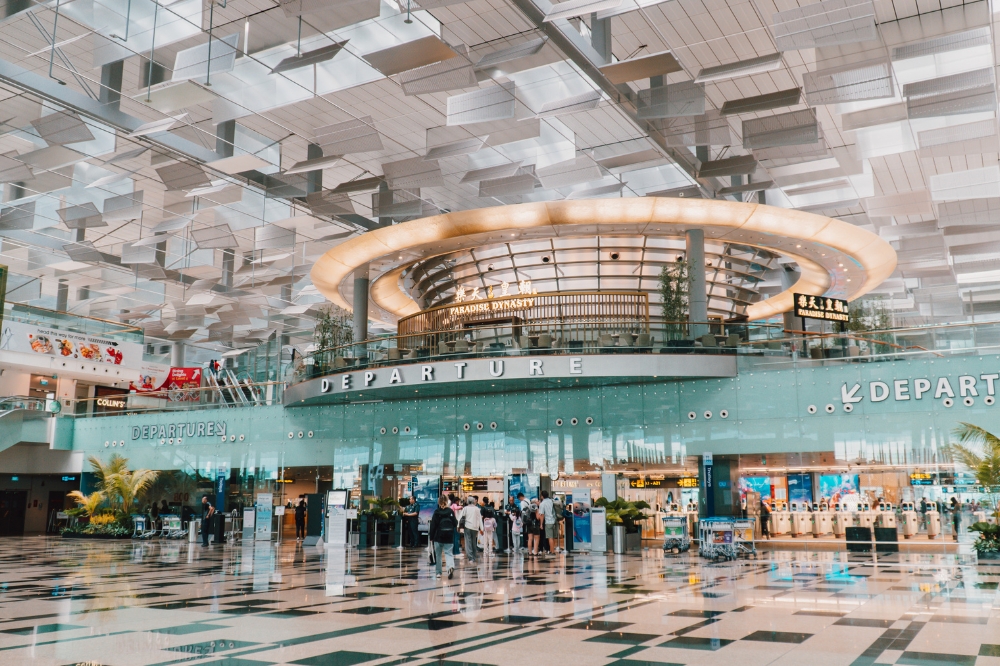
(471, 522)
(207, 511)
(300, 519)
(765, 520)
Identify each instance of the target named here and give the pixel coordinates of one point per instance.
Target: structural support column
(228, 264)
(225, 138)
(361, 304)
(62, 296)
(286, 296)
(314, 179)
(697, 295)
(788, 278)
(177, 355)
(111, 84)
(600, 36)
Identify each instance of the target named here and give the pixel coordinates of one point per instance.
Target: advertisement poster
(800, 488)
(839, 488)
(579, 503)
(265, 510)
(427, 489)
(757, 484)
(31, 339)
(173, 383)
(521, 483)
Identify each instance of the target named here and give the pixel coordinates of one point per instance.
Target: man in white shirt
(472, 523)
(548, 511)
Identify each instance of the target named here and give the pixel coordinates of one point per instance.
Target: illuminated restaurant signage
(821, 307)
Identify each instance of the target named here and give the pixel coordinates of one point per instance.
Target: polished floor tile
(165, 603)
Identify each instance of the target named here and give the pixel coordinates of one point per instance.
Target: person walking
(456, 508)
(300, 519)
(441, 533)
(471, 522)
(207, 511)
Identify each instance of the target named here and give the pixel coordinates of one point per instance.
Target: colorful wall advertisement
(800, 488)
(840, 488)
(578, 501)
(175, 384)
(16, 336)
(757, 484)
(426, 489)
(521, 483)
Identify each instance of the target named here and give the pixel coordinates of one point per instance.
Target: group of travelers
(475, 523)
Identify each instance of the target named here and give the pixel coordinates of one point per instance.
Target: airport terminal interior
(488, 332)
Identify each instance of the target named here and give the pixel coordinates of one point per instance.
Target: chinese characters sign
(821, 307)
(462, 294)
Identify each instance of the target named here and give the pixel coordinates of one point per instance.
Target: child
(489, 526)
(516, 527)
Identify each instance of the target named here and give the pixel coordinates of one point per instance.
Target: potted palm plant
(376, 521)
(108, 510)
(626, 516)
(984, 462)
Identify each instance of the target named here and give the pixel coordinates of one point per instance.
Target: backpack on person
(447, 526)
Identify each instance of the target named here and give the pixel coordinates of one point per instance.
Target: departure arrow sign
(848, 397)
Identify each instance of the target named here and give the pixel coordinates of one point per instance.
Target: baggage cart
(743, 537)
(717, 538)
(676, 537)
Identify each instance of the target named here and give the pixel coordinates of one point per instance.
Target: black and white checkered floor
(124, 603)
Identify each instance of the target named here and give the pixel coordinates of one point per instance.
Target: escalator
(23, 420)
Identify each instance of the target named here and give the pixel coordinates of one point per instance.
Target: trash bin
(219, 527)
(618, 539)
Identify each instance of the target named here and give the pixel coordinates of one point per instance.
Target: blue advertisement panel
(579, 501)
(800, 488)
(757, 484)
(427, 490)
(521, 483)
(837, 487)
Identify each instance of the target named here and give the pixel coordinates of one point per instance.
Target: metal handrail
(21, 402)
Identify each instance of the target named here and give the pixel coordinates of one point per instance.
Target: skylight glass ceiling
(155, 175)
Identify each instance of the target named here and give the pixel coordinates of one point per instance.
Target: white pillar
(177, 355)
(697, 295)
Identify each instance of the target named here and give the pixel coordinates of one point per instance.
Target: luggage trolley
(743, 531)
(717, 538)
(675, 533)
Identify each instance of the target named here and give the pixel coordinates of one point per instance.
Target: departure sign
(687, 482)
(647, 482)
(820, 307)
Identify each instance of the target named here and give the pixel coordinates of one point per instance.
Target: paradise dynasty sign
(821, 307)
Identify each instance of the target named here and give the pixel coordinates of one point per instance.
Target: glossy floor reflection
(122, 604)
